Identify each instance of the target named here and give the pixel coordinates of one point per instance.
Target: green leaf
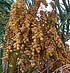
(67, 37)
(64, 21)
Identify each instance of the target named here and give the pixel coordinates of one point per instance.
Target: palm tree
(4, 10)
(63, 15)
